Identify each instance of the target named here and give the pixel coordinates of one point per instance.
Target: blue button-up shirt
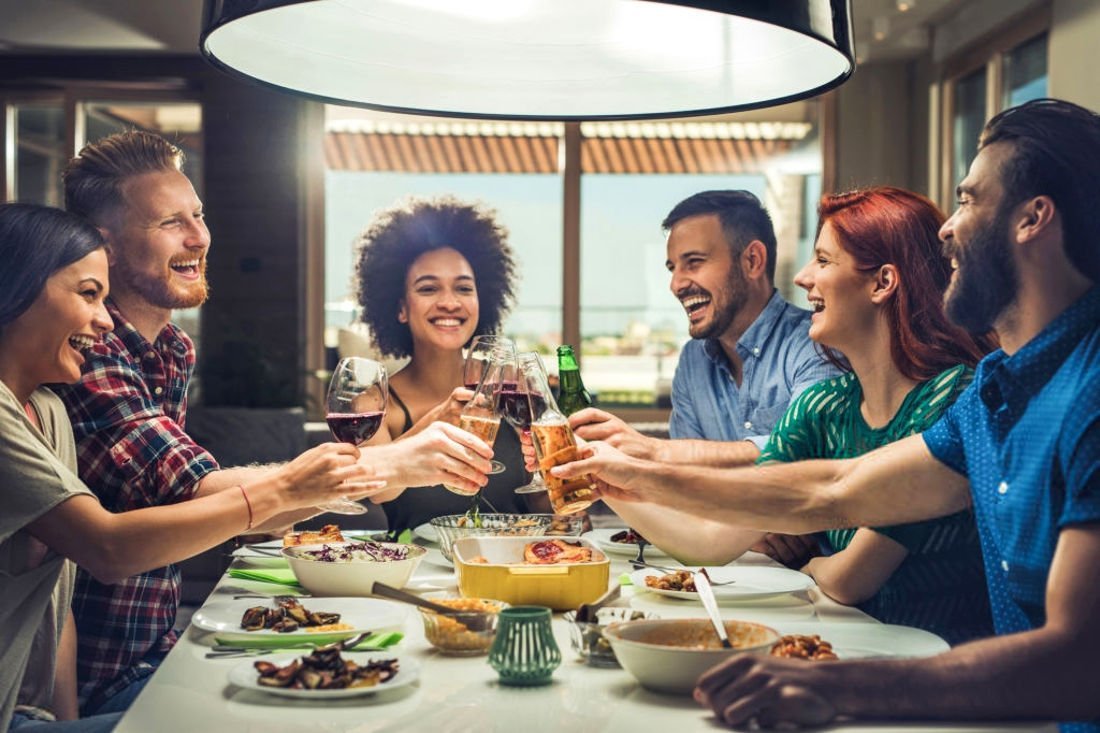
(1027, 435)
(778, 361)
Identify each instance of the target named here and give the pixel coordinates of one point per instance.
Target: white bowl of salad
(352, 568)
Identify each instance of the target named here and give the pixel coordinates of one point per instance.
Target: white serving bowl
(668, 655)
(352, 576)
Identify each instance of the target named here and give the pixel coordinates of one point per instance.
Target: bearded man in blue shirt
(1021, 445)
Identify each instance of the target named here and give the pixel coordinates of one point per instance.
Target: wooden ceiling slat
(333, 159)
(508, 150)
(452, 154)
(672, 155)
(409, 159)
(641, 154)
(437, 159)
(657, 155)
(390, 153)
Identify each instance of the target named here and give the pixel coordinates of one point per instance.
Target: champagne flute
(355, 407)
(481, 415)
(483, 349)
(515, 406)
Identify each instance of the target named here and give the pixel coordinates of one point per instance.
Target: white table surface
(190, 694)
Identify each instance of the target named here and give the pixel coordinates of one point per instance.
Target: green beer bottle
(572, 396)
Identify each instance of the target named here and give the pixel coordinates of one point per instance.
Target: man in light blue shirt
(749, 356)
(751, 353)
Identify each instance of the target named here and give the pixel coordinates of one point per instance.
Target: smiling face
(440, 304)
(159, 242)
(840, 294)
(977, 240)
(706, 277)
(66, 319)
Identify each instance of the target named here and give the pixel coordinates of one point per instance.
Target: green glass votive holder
(524, 652)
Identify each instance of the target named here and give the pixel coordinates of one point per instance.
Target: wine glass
(483, 349)
(481, 415)
(355, 406)
(515, 406)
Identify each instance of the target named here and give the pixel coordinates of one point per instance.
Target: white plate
(749, 582)
(602, 539)
(245, 675)
(223, 617)
(427, 532)
(861, 640)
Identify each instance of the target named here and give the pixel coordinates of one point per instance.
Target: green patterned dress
(940, 586)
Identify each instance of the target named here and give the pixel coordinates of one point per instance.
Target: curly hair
(411, 228)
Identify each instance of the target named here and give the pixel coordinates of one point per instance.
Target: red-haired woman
(876, 284)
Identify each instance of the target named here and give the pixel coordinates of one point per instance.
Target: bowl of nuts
(588, 640)
(467, 633)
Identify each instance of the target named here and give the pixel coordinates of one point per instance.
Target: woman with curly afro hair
(432, 274)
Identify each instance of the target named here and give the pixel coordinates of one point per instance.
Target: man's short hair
(1056, 153)
(94, 178)
(741, 214)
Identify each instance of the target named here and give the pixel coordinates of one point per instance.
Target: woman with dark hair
(432, 274)
(52, 287)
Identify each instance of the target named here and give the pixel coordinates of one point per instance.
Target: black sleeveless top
(416, 506)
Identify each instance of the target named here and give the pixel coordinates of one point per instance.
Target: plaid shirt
(128, 414)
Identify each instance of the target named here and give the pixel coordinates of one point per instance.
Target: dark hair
(742, 215)
(35, 242)
(401, 234)
(886, 225)
(94, 178)
(1055, 152)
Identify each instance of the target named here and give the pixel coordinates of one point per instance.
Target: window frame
(989, 53)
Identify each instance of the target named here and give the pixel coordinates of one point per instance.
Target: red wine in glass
(515, 408)
(354, 427)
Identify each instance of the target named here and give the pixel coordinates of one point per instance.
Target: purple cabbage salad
(357, 552)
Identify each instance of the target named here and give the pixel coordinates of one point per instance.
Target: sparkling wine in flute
(555, 445)
(483, 427)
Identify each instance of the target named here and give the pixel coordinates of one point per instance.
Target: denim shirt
(778, 361)
(1027, 435)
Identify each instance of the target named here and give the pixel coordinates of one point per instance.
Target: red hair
(885, 225)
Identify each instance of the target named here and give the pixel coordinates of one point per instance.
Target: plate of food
(731, 582)
(622, 541)
(305, 620)
(269, 554)
(823, 641)
(326, 674)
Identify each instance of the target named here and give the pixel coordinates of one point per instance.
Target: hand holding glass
(356, 405)
(481, 415)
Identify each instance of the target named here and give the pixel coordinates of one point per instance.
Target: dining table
(191, 693)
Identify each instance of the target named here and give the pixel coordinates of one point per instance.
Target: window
(1008, 71)
(39, 153)
(630, 328)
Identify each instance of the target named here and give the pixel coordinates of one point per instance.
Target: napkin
(282, 576)
(379, 640)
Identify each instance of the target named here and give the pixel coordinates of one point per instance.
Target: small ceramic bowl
(453, 527)
(343, 569)
(668, 655)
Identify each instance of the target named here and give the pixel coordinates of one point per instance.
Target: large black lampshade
(537, 59)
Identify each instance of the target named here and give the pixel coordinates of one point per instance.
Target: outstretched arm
(897, 483)
(1034, 675)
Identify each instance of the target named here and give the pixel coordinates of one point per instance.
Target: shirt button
(1004, 565)
(748, 425)
(158, 390)
(1002, 488)
(756, 351)
(150, 355)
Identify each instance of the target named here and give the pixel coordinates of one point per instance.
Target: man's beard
(734, 296)
(160, 291)
(986, 280)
